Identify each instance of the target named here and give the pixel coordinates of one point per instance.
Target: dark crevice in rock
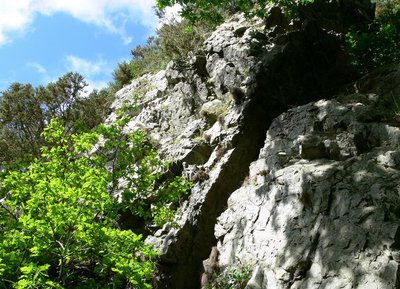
(396, 244)
(316, 68)
(186, 273)
(199, 66)
(362, 143)
(240, 31)
(329, 204)
(199, 154)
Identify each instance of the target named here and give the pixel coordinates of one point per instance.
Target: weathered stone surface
(209, 115)
(321, 208)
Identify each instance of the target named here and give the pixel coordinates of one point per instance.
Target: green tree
(25, 111)
(21, 122)
(63, 93)
(88, 112)
(122, 75)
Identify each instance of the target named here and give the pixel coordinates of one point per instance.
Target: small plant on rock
(234, 277)
(379, 44)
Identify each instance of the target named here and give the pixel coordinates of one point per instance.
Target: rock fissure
(229, 179)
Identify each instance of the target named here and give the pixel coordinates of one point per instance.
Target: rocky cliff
(293, 177)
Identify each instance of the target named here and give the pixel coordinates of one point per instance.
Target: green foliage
(168, 195)
(235, 277)
(174, 40)
(177, 39)
(148, 58)
(58, 222)
(25, 111)
(59, 215)
(57, 98)
(88, 112)
(380, 44)
(214, 11)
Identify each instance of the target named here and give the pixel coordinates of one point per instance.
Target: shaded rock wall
(321, 208)
(209, 116)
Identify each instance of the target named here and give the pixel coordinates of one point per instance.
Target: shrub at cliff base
(58, 219)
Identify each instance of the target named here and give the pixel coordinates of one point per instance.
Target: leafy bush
(174, 40)
(178, 38)
(148, 58)
(59, 215)
(380, 44)
(57, 223)
(144, 191)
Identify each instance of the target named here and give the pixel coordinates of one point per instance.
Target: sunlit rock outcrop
(290, 178)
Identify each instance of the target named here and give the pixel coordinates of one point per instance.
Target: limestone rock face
(209, 115)
(321, 208)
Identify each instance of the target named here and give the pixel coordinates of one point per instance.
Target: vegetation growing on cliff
(380, 44)
(368, 48)
(174, 40)
(234, 277)
(59, 214)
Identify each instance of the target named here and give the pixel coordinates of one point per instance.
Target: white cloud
(38, 67)
(84, 66)
(171, 14)
(95, 84)
(94, 72)
(14, 15)
(112, 15)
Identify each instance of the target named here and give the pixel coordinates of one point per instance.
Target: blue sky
(40, 40)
